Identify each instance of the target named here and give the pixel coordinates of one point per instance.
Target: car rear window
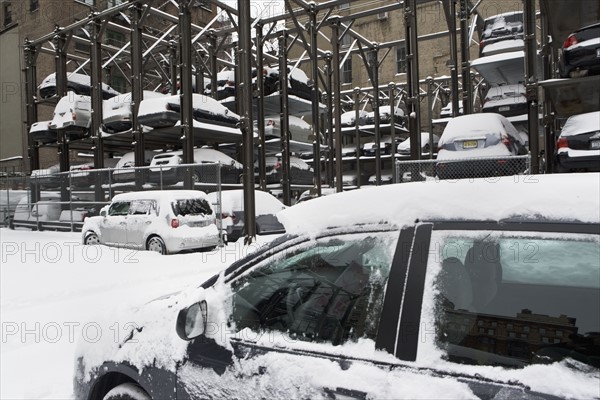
(516, 299)
(196, 206)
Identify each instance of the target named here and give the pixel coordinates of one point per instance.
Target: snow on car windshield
(191, 207)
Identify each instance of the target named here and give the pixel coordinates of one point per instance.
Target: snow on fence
(61, 201)
(463, 168)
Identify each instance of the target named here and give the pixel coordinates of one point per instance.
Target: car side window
(140, 207)
(515, 298)
(119, 208)
(331, 289)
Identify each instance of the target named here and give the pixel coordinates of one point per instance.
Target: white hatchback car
(72, 110)
(167, 221)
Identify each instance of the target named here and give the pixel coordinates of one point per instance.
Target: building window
(115, 38)
(480, 322)
(542, 331)
(545, 339)
(34, 5)
(526, 329)
(347, 71)
(509, 326)
(7, 8)
(512, 335)
(401, 59)
(491, 331)
(523, 336)
(559, 333)
(347, 41)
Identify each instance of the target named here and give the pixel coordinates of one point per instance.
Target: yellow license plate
(469, 144)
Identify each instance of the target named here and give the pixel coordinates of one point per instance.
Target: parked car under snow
(166, 221)
(163, 112)
(232, 213)
(73, 110)
(124, 169)
(581, 53)
(507, 100)
(502, 33)
(480, 145)
(404, 147)
(400, 291)
(116, 111)
(78, 83)
(578, 146)
(300, 172)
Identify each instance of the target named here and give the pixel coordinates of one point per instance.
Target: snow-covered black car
(384, 299)
(578, 146)
(502, 33)
(507, 100)
(581, 53)
(78, 83)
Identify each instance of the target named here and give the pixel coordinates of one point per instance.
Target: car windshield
(517, 299)
(196, 206)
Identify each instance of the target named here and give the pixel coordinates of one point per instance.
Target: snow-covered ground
(55, 291)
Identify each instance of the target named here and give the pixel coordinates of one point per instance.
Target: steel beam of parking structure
(285, 119)
(374, 65)
(329, 118)
(412, 78)
(186, 90)
(173, 61)
(30, 54)
(260, 108)
(245, 84)
(357, 135)
(430, 114)
(547, 56)
(96, 92)
(531, 82)
(137, 94)
(314, 55)
(392, 96)
(450, 13)
(335, 45)
(60, 46)
(212, 54)
(467, 92)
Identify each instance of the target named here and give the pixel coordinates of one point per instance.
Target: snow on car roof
(498, 57)
(168, 195)
(581, 123)
(199, 101)
(503, 15)
(574, 197)
(66, 102)
(468, 125)
(233, 200)
(81, 79)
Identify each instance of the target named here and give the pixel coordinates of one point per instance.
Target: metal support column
(245, 86)
(357, 135)
(186, 90)
(96, 124)
(314, 56)
(260, 108)
(284, 119)
(531, 82)
(60, 46)
(467, 87)
(335, 43)
(392, 96)
(173, 65)
(430, 114)
(212, 54)
(412, 79)
(450, 13)
(547, 57)
(30, 54)
(137, 94)
(374, 65)
(329, 119)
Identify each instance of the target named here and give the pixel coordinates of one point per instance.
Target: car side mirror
(191, 321)
(103, 213)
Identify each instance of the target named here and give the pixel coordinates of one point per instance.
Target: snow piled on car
(530, 196)
(581, 123)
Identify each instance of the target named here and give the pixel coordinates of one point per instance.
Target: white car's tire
(156, 244)
(91, 238)
(127, 391)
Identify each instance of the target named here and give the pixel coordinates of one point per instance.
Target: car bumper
(187, 238)
(588, 163)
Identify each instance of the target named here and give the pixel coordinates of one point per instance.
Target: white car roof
(476, 124)
(574, 197)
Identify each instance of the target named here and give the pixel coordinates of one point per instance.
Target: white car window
(119, 208)
(140, 207)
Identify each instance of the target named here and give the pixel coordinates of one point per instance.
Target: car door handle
(122, 223)
(148, 222)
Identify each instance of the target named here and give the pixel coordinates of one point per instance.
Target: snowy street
(55, 290)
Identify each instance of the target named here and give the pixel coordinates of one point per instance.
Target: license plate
(595, 144)
(469, 144)
(598, 52)
(504, 108)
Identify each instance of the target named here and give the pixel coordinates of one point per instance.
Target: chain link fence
(61, 201)
(464, 168)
